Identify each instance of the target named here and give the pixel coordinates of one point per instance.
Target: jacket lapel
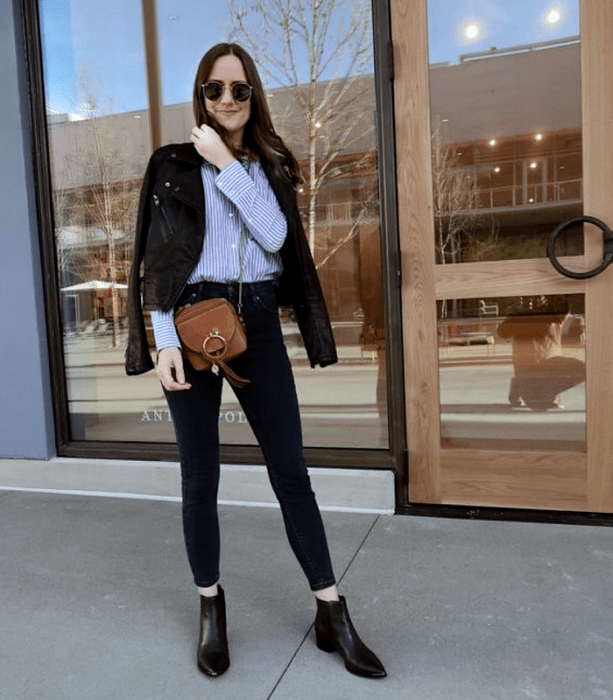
(189, 189)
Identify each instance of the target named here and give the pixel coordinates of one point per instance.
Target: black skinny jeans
(271, 407)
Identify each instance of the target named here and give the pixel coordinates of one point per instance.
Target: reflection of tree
(331, 38)
(368, 197)
(106, 201)
(62, 217)
(461, 232)
(455, 197)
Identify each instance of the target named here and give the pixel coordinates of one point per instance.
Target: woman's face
(226, 111)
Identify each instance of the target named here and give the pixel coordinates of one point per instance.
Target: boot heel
(334, 631)
(323, 644)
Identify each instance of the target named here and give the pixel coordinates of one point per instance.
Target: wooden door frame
(597, 69)
(433, 472)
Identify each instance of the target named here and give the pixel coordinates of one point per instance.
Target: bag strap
(232, 377)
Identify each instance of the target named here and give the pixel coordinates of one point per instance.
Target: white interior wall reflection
(98, 120)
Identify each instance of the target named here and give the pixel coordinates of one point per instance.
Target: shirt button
(230, 214)
(167, 184)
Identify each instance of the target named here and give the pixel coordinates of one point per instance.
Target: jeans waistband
(229, 290)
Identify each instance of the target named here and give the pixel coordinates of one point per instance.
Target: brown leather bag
(212, 334)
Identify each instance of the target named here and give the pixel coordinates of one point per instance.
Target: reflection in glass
(506, 128)
(99, 142)
(512, 373)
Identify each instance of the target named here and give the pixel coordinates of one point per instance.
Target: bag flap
(196, 325)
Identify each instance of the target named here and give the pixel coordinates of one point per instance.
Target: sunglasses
(213, 91)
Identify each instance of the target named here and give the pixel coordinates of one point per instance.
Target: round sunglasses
(213, 90)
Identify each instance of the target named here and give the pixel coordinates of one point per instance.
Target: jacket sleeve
(138, 357)
(299, 284)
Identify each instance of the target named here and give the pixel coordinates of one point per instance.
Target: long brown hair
(260, 135)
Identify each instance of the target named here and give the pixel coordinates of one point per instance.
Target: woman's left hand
(211, 146)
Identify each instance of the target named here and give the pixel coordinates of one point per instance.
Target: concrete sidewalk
(96, 604)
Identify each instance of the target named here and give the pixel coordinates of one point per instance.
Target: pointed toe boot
(334, 631)
(213, 655)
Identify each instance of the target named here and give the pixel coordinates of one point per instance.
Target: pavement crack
(308, 632)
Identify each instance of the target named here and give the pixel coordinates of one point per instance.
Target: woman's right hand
(170, 369)
(211, 146)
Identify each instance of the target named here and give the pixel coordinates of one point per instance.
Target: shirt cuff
(234, 181)
(164, 330)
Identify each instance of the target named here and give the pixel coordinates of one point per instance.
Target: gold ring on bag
(215, 355)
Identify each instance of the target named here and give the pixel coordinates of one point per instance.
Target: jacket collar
(184, 152)
(188, 187)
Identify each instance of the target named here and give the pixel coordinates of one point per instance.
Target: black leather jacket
(169, 237)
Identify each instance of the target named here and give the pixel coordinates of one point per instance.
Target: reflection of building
(91, 302)
(508, 128)
(512, 120)
(344, 210)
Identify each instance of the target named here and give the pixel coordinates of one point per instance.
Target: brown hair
(260, 135)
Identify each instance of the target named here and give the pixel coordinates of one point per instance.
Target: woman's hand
(211, 146)
(170, 370)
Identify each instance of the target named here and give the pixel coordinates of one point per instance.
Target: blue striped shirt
(233, 197)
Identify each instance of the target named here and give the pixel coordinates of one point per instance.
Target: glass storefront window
(98, 123)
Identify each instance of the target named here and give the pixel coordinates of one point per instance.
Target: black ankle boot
(213, 655)
(334, 631)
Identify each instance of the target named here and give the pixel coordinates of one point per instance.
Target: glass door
(501, 131)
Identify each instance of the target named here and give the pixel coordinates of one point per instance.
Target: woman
(220, 208)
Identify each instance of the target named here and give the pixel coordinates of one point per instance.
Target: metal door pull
(608, 247)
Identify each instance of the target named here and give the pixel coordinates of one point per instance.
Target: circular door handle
(608, 247)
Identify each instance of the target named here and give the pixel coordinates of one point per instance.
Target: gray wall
(26, 423)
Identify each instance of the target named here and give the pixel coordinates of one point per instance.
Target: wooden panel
(506, 278)
(555, 481)
(416, 221)
(597, 67)
(560, 481)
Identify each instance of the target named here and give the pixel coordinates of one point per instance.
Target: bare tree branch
(106, 202)
(319, 49)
